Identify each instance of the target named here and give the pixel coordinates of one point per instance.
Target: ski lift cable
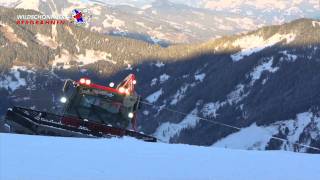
(231, 126)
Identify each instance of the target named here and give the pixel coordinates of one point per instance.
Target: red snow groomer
(90, 110)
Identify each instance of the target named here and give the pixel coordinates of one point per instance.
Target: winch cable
(231, 126)
(222, 124)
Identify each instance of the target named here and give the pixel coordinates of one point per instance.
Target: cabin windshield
(89, 101)
(97, 108)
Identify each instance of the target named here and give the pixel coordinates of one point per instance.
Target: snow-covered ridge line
(253, 43)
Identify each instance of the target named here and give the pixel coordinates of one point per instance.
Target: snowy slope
(36, 157)
(257, 137)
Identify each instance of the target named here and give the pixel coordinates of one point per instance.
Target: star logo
(80, 16)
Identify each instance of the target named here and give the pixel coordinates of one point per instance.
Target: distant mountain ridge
(169, 22)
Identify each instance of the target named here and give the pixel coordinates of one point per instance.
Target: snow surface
(200, 77)
(164, 77)
(296, 127)
(30, 4)
(154, 96)
(290, 57)
(252, 137)
(259, 5)
(52, 158)
(210, 109)
(153, 81)
(13, 80)
(91, 56)
(180, 94)
(256, 137)
(168, 130)
(159, 64)
(113, 22)
(315, 23)
(252, 43)
(47, 41)
(155, 40)
(143, 25)
(146, 6)
(237, 95)
(257, 72)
